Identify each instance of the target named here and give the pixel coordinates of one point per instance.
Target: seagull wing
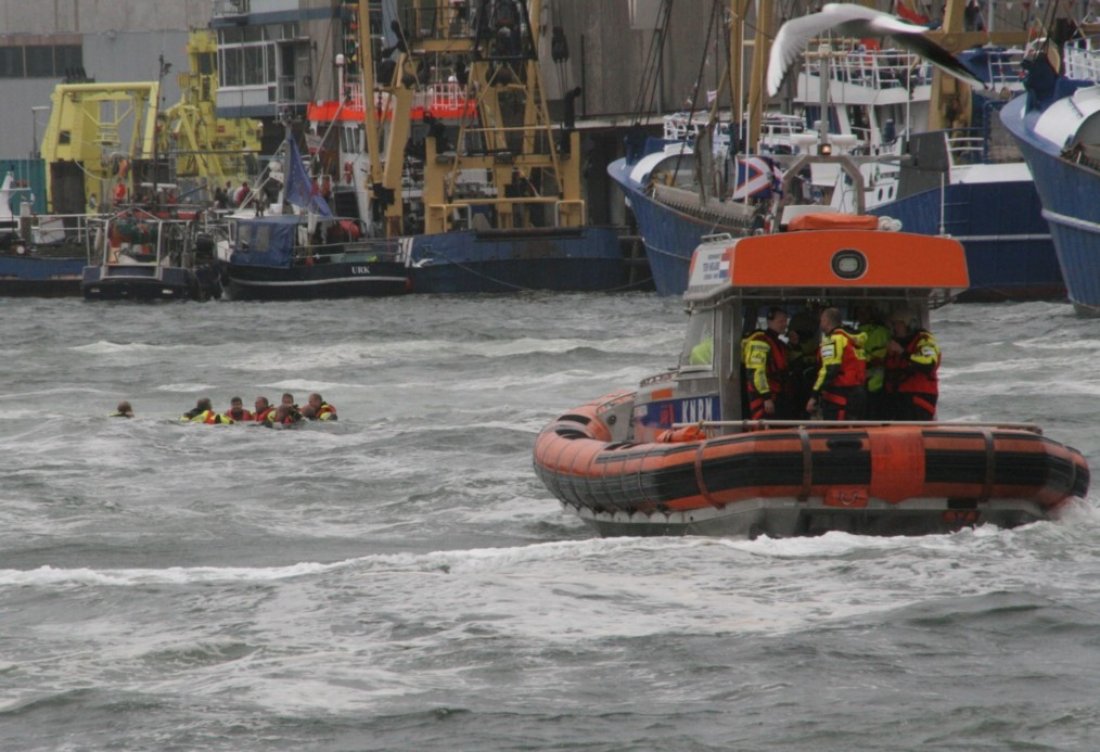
(858, 21)
(790, 42)
(912, 38)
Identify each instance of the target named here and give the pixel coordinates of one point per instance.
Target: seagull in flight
(857, 21)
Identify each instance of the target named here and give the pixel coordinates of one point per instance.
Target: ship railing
(1003, 67)
(464, 214)
(968, 148)
(383, 249)
(57, 230)
(1082, 59)
(443, 95)
(231, 8)
(760, 425)
(874, 69)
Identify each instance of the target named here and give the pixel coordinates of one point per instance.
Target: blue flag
(300, 191)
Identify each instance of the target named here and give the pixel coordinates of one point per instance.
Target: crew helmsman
(767, 369)
(840, 387)
(912, 367)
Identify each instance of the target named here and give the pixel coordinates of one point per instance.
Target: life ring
(349, 173)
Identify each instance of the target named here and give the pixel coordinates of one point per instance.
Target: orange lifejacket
(261, 416)
(241, 415)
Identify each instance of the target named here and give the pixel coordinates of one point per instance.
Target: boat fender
(680, 435)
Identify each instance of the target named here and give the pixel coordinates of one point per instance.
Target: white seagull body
(856, 21)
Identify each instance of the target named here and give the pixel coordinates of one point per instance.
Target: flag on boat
(757, 177)
(300, 190)
(907, 11)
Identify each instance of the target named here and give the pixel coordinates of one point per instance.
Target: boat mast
(761, 47)
(370, 116)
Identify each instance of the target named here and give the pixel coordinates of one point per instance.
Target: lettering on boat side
(360, 270)
(716, 268)
(663, 413)
(696, 409)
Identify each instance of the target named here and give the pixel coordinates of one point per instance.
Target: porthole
(848, 264)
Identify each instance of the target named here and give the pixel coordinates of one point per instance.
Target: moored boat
(297, 249)
(140, 254)
(675, 456)
(33, 263)
(1055, 123)
(276, 258)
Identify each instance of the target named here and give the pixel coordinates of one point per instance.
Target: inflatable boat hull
(892, 479)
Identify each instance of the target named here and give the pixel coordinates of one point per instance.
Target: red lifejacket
(242, 415)
(903, 373)
(261, 416)
(853, 368)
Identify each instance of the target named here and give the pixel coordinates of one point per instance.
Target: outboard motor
(204, 246)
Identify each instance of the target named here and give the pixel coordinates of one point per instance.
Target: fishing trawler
(1055, 124)
(463, 167)
(675, 456)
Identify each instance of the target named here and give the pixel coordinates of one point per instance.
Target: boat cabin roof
(827, 262)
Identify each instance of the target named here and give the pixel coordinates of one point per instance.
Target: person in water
(203, 412)
(840, 387)
(263, 409)
(123, 410)
(283, 415)
(237, 412)
(319, 409)
(288, 401)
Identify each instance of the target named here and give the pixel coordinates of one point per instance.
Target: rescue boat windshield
(698, 351)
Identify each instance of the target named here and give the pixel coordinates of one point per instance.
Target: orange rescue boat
(676, 455)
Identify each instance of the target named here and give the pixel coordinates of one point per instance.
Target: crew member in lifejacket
(321, 409)
(237, 412)
(288, 402)
(263, 409)
(912, 368)
(767, 369)
(878, 337)
(281, 416)
(840, 387)
(203, 412)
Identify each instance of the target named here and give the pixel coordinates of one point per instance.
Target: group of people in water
(286, 413)
(874, 371)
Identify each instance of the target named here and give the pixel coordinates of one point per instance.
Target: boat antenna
(651, 68)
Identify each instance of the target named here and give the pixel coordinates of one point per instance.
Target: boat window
(698, 349)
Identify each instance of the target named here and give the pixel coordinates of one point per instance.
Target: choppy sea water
(401, 581)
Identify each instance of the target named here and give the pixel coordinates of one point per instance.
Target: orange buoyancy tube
(842, 467)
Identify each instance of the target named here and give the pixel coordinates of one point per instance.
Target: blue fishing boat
(296, 249)
(1056, 123)
(973, 184)
(661, 190)
(36, 260)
